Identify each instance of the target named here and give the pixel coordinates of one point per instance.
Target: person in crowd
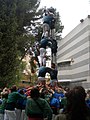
(37, 108)
(55, 104)
(36, 53)
(44, 44)
(76, 108)
(53, 75)
(4, 96)
(20, 106)
(41, 74)
(46, 27)
(10, 111)
(45, 93)
(63, 100)
(59, 93)
(48, 22)
(52, 22)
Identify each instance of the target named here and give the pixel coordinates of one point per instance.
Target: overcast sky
(71, 11)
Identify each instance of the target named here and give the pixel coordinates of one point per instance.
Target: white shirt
(42, 51)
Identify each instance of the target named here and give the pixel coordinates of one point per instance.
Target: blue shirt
(58, 95)
(43, 70)
(53, 74)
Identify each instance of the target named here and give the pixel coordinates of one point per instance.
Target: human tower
(48, 41)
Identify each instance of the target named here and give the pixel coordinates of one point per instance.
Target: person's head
(21, 91)
(76, 95)
(35, 93)
(13, 88)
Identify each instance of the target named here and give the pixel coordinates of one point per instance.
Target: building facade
(73, 57)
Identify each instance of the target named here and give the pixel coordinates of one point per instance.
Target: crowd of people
(44, 102)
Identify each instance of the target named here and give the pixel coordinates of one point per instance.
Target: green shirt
(3, 105)
(14, 96)
(32, 108)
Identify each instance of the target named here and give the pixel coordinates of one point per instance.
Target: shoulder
(60, 117)
(41, 100)
(29, 100)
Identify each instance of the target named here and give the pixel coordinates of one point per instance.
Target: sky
(71, 12)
